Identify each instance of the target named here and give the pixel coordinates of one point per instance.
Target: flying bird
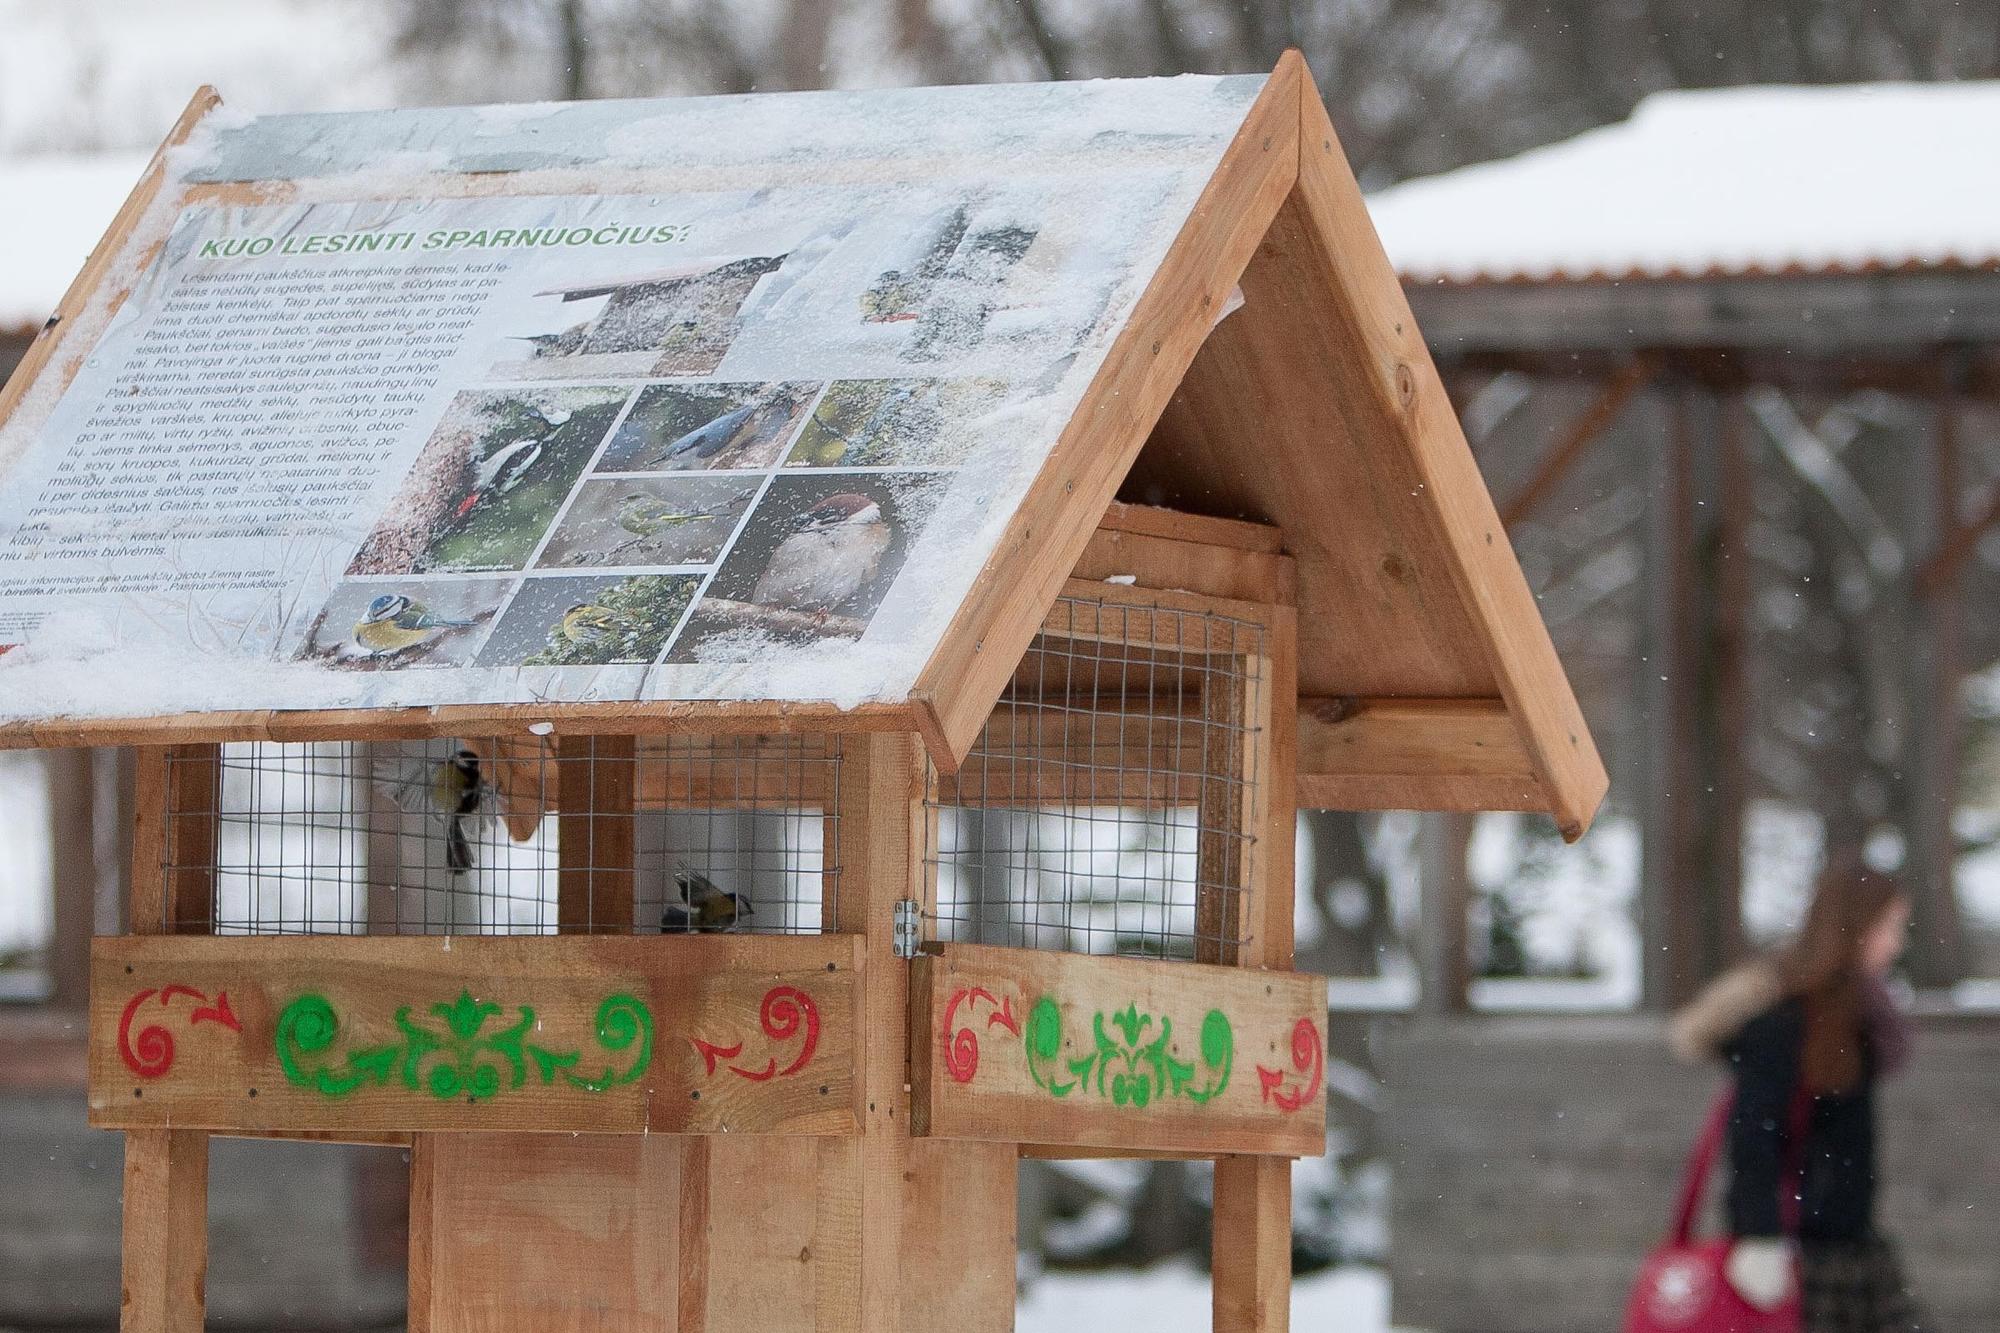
(704, 908)
(457, 792)
(394, 623)
(831, 557)
(451, 790)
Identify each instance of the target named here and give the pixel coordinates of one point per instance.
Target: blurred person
(1807, 1033)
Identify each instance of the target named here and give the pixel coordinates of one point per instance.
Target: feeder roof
(391, 410)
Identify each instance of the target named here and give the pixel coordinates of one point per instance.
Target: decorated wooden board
(719, 399)
(592, 1034)
(1069, 1050)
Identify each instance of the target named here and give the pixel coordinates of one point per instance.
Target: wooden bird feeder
(723, 670)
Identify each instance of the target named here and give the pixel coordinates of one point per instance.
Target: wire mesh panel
(503, 836)
(1112, 801)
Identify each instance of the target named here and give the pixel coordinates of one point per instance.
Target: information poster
(727, 445)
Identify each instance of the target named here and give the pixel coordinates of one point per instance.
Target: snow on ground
(1731, 181)
(1174, 1298)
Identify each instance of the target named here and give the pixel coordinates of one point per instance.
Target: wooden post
(1729, 677)
(1251, 1232)
(1937, 943)
(1671, 887)
(73, 827)
(165, 1246)
(597, 791)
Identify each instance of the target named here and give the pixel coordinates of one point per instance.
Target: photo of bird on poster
(813, 563)
(589, 621)
(383, 624)
(490, 480)
(677, 519)
(707, 427)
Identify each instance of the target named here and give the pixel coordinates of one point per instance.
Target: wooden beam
(600, 1034)
(1250, 1244)
(1181, 526)
(194, 809)
(881, 789)
(1161, 562)
(165, 1235)
(597, 783)
(1413, 754)
(1588, 425)
(1145, 362)
(164, 1227)
(1023, 1045)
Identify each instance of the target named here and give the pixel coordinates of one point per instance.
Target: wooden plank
(881, 796)
(604, 1034)
(165, 1254)
(597, 785)
(1162, 618)
(1048, 533)
(1413, 754)
(959, 1236)
(665, 717)
(1160, 562)
(59, 333)
(554, 1233)
(423, 1230)
(1020, 1046)
(1251, 1227)
(194, 808)
(1181, 526)
(1250, 1246)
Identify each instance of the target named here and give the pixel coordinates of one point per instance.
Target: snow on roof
(1739, 181)
(60, 209)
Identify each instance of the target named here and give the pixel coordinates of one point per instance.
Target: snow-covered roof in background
(1740, 181)
(58, 208)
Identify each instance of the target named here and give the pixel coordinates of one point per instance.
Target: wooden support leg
(1251, 1255)
(1251, 1248)
(165, 1248)
(166, 1231)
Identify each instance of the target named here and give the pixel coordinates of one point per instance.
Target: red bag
(1682, 1286)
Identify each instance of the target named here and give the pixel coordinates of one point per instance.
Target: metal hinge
(906, 929)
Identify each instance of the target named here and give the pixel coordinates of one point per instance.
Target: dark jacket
(1837, 1166)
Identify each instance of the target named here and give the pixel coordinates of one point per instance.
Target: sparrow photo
(707, 427)
(378, 623)
(620, 522)
(590, 621)
(490, 480)
(895, 423)
(813, 563)
(677, 320)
